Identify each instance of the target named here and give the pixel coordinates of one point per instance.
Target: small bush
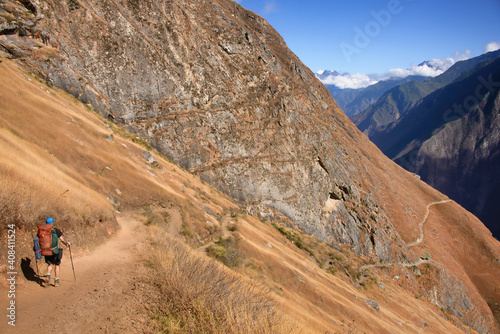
(150, 220)
(143, 143)
(186, 232)
(295, 239)
(332, 270)
(166, 217)
(226, 251)
(232, 227)
(217, 252)
(335, 257)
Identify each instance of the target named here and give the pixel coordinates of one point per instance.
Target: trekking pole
(71, 257)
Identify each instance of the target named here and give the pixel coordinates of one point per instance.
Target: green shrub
(217, 252)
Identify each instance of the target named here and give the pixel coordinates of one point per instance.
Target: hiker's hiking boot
(46, 282)
(56, 282)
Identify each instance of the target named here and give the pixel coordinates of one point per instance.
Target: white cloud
(433, 68)
(347, 80)
(429, 68)
(492, 46)
(463, 56)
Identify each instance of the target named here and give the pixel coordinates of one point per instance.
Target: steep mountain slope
(161, 206)
(372, 93)
(343, 96)
(452, 140)
(391, 106)
(354, 101)
(214, 87)
(397, 101)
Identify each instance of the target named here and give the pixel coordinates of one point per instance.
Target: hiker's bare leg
(57, 271)
(49, 271)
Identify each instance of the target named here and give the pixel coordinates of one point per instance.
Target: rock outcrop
(214, 88)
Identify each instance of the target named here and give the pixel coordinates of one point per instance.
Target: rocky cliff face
(214, 87)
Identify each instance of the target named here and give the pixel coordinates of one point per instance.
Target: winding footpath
(421, 224)
(419, 240)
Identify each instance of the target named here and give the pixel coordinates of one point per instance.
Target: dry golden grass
(199, 295)
(324, 302)
(36, 181)
(37, 188)
(33, 188)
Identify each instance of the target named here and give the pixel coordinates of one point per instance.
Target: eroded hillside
(313, 286)
(214, 88)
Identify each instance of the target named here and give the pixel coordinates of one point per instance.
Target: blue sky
(328, 34)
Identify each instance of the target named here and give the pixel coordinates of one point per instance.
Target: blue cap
(49, 220)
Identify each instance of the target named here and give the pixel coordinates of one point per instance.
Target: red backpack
(48, 240)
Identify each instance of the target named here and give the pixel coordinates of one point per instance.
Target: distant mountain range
(397, 101)
(354, 93)
(447, 130)
(354, 101)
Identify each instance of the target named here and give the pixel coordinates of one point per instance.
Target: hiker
(48, 239)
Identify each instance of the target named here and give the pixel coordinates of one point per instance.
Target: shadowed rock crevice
(322, 165)
(29, 6)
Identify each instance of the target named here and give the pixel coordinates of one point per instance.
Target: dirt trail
(411, 264)
(416, 242)
(421, 224)
(106, 298)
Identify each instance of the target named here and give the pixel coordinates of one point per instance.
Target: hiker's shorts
(55, 258)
